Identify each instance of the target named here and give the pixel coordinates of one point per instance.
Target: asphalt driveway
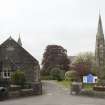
(54, 94)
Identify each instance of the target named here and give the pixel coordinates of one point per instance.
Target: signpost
(90, 79)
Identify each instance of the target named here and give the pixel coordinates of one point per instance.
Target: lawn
(65, 83)
(88, 86)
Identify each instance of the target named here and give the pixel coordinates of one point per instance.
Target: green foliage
(92, 93)
(18, 78)
(71, 75)
(57, 74)
(65, 83)
(46, 72)
(45, 77)
(88, 86)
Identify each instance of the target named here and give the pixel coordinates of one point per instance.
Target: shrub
(71, 75)
(44, 72)
(57, 74)
(45, 77)
(18, 78)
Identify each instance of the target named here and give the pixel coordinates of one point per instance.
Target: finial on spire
(10, 37)
(99, 14)
(99, 11)
(19, 40)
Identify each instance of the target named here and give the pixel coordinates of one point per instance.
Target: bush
(18, 78)
(57, 74)
(71, 75)
(44, 72)
(45, 77)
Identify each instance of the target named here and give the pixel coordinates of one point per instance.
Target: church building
(100, 48)
(14, 57)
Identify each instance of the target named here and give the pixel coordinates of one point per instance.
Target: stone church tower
(100, 48)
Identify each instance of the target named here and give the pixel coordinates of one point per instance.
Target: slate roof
(19, 51)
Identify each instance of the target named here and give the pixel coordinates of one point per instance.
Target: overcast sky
(69, 23)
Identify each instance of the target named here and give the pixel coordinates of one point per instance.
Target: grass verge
(92, 93)
(88, 86)
(64, 83)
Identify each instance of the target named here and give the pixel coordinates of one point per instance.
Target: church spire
(100, 28)
(100, 48)
(10, 37)
(19, 41)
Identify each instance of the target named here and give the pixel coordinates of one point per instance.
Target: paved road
(55, 95)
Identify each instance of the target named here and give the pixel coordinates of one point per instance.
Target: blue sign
(90, 78)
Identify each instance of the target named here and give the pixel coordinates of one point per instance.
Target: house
(13, 57)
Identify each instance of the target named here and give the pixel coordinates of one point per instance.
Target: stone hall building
(100, 48)
(13, 57)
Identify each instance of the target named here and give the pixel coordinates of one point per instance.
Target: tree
(55, 56)
(56, 74)
(84, 63)
(18, 78)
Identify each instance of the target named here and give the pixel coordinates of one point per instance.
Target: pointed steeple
(100, 28)
(10, 37)
(19, 41)
(100, 48)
